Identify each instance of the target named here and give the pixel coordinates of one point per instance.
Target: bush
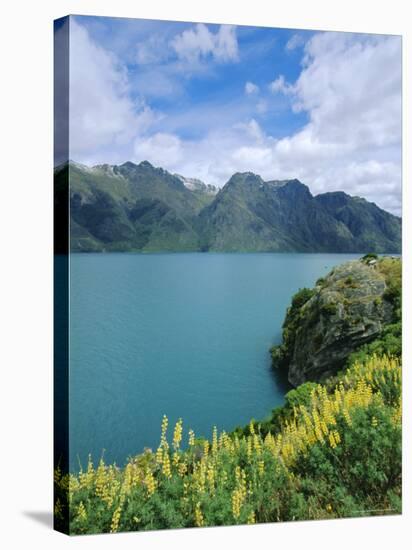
(337, 453)
(369, 257)
(389, 343)
(329, 309)
(282, 354)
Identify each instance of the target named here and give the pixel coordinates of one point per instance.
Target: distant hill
(137, 207)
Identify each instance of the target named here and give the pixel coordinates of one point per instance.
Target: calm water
(178, 334)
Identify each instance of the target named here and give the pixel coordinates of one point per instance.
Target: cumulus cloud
(295, 41)
(251, 88)
(102, 113)
(199, 42)
(152, 50)
(160, 149)
(281, 86)
(213, 158)
(350, 88)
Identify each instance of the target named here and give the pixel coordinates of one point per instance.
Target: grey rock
(346, 311)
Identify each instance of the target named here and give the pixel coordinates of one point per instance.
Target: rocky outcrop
(345, 310)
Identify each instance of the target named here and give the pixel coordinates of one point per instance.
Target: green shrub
(368, 257)
(282, 354)
(328, 309)
(337, 453)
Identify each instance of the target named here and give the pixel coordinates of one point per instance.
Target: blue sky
(209, 100)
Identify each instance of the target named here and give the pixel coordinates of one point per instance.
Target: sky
(207, 101)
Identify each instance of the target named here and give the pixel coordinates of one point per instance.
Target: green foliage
(347, 482)
(337, 453)
(282, 354)
(389, 343)
(301, 395)
(349, 282)
(391, 269)
(369, 257)
(328, 309)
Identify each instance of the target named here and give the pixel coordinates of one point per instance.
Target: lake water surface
(186, 335)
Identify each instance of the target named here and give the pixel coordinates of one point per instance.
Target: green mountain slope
(143, 208)
(130, 207)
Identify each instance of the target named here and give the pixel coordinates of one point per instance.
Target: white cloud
(252, 129)
(281, 86)
(295, 41)
(199, 42)
(152, 50)
(102, 114)
(262, 106)
(160, 149)
(351, 86)
(350, 89)
(251, 88)
(214, 158)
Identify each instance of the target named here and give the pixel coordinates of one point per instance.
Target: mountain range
(137, 207)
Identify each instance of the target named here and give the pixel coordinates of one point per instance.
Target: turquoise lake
(186, 335)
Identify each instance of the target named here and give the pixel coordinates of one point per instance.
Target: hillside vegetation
(142, 208)
(339, 455)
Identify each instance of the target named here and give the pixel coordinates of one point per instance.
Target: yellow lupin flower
(58, 509)
(102, 484)
(347, 417)
(251, 519)
(256, 444)
(214, 441)
(81, 512)
(163, 439)
(128, 479)
(165, 423)
(166, 465)
(249, 448)
(159, 455)
(116, 519)
(237, 501)
(150, 483)
(211, 478)
(199, 520)
(177, 434)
